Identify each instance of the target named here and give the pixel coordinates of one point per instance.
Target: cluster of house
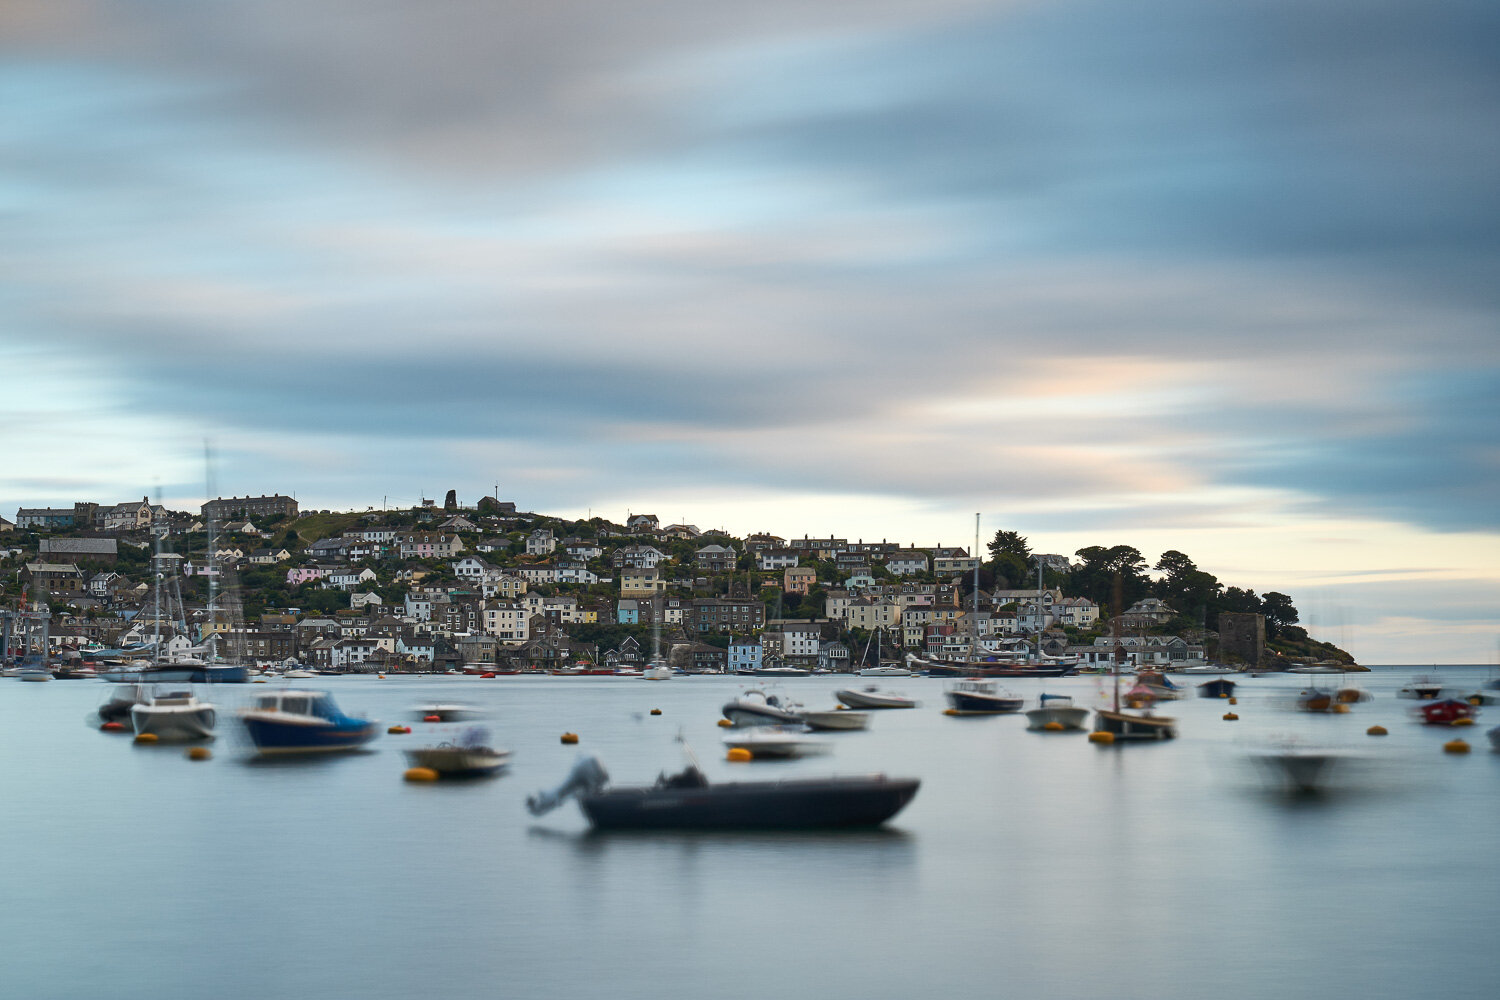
(493, 612)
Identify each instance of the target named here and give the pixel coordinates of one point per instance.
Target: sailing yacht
(1123, 725)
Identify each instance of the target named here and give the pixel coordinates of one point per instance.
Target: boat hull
(290, 735)
(873, 699)
(836, 721)
(826, 803)
(1068, 717)
(1126, 726)
(972, 703)
(460, 762)
(749, 714)
(174, 722)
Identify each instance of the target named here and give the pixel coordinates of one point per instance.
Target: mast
(212, 611)
(974, 650)
(1119, 651)
(156, 591)
(1039, 609)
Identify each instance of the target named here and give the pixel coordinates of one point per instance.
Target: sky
(1220, 277)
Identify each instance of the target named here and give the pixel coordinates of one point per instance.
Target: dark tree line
(1196, 595)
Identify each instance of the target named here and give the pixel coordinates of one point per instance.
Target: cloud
(1106, 268)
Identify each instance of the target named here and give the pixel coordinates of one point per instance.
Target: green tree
(1279, 612)
(1010, 543)
(1184, 587)
(1094, 576)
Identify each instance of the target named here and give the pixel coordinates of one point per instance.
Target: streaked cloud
(1228, 269)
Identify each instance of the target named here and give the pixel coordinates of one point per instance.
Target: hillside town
(486, 586)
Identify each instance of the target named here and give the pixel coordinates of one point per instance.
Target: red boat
(1446, 712)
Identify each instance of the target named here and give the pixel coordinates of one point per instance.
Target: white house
(540, 542)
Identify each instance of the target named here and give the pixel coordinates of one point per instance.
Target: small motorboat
(1301, 770)
(33, 668)
(980, 698)
(122, 699)
(873, 697)
(1422, 688)
(657, 672)
(302, 721)
(757, 707)
(781, 672)
(470, 756)
(1158, 685)
(776, 743)
(688, 801)
(1220, 688)
(1056, 710)
(1447, 712)
(1314, 700)
(1130, 726)
(299, 673)
(838, 720)
(173, 714)
(885, 670)
(448, 711)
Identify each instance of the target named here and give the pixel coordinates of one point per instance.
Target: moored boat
(448, 711)
(836, 720)
(173, 714)
(873, 697)
(1422, 688)
(973, 697)
(775, 743)
(1056, 710)
(1446, 712)
(301, 721)
(121, 700)
(757, 707)
(689, 801)
(469, 756)
(1130, 726)
(1220, 688)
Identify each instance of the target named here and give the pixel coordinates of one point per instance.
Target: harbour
(1029, 863)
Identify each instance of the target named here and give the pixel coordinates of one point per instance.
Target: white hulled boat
(173, 714)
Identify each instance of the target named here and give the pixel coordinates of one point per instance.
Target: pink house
(304, 574)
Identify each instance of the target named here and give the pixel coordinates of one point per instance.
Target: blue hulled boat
(297, 721)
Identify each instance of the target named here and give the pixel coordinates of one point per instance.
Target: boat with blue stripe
(298, 721)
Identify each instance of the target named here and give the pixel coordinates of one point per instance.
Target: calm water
(1029, 865)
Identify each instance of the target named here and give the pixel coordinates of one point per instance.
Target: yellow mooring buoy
(739, 755)
(1375, 731)
(1101, 736)
(570, 737)
(145, 737)
(1230, 717)
(199, 753)
(656, 711)
(725, 723)
(1455, 746)
(1054, 726)
(421, 774)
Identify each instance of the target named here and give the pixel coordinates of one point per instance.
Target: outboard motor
(587, 776)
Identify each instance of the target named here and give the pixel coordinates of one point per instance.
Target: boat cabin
(312, 703)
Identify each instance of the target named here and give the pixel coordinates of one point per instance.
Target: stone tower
(1242, 638)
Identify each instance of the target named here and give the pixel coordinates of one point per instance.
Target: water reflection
(889, 846)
